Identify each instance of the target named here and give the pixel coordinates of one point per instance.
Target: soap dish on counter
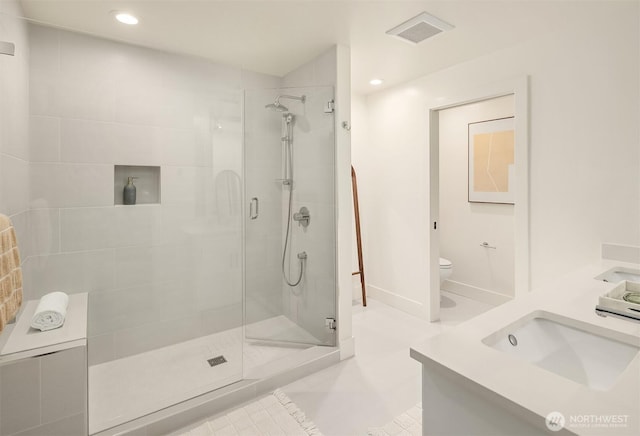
(623, 301)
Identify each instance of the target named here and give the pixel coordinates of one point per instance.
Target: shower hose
(287, 140)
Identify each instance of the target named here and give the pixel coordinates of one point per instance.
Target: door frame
(519, 88)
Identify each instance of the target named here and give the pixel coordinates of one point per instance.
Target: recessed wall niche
(147, 182)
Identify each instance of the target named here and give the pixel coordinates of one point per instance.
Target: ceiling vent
(419, 28)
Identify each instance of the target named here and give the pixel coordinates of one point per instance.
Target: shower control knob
(303, 217)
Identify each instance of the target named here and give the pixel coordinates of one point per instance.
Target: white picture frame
(492, 161)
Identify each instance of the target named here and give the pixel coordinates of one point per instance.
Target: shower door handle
(253, 208)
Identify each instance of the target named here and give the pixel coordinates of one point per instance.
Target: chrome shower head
(277, 107)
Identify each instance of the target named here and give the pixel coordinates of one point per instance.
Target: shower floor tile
(127, 388)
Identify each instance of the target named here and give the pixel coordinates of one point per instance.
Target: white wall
(464, 225)
(584, 154)
(14, 121)
(157, 274)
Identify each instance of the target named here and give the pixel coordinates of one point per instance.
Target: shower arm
(290, 97)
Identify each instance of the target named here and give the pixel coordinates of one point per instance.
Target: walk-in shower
(187, 299)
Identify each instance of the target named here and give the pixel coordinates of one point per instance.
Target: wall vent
(419, 28)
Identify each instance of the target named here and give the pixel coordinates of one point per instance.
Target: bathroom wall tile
(70, 272)
(44, 139)
(14, 91)
(183, 185)
(21, 225)
(44, 228)
(154, 335)
(75, 425)
(27, 289)
(15, 119)
(44, 46)
(180, 110)
(87, 228)
(91, 228)
(71, 185)
(181, 147)
(176, 299)
(64, 384)
(20, 394)
(86, 97)
(176, 219)
(119, 309)
(89, 75)
(100, 349)
(140, 105)
(14, 176)
(86, 141)
(44, 93)
(220, 319)
(135, 266)
(140, 225)
(136, 145)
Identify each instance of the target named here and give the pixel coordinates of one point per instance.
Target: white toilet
(446, 269)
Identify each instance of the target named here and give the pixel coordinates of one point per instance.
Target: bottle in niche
(129, 193)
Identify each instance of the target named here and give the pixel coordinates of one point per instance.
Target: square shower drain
(216, 360)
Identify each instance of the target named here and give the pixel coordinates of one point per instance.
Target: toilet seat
(445, 263)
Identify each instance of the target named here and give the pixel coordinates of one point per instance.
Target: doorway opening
(479, 244)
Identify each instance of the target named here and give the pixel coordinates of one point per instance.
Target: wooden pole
(356, 210)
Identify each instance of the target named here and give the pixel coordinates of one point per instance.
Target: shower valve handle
(303, 217)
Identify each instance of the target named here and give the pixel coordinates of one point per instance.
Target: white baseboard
(347, 348)
(356, 293)
(475, 293)
(398, 301)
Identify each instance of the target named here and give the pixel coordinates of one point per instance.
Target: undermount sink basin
(618, 274)
(593, 358)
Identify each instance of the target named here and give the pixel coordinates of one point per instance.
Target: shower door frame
(246, 210)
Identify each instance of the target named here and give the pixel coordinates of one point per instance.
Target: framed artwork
(491, 161)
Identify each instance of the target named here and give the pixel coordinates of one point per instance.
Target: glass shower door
(290, 230)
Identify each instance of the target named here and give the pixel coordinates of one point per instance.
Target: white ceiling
(275, 37)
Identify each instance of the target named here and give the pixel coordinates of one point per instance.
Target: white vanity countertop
(573, 296)
(24, 341)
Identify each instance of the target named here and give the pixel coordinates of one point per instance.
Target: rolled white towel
(51, 311)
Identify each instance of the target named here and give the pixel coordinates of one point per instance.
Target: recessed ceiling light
(376, 82)
(126, 18)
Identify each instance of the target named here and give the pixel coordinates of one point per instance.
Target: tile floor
(381, 381)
